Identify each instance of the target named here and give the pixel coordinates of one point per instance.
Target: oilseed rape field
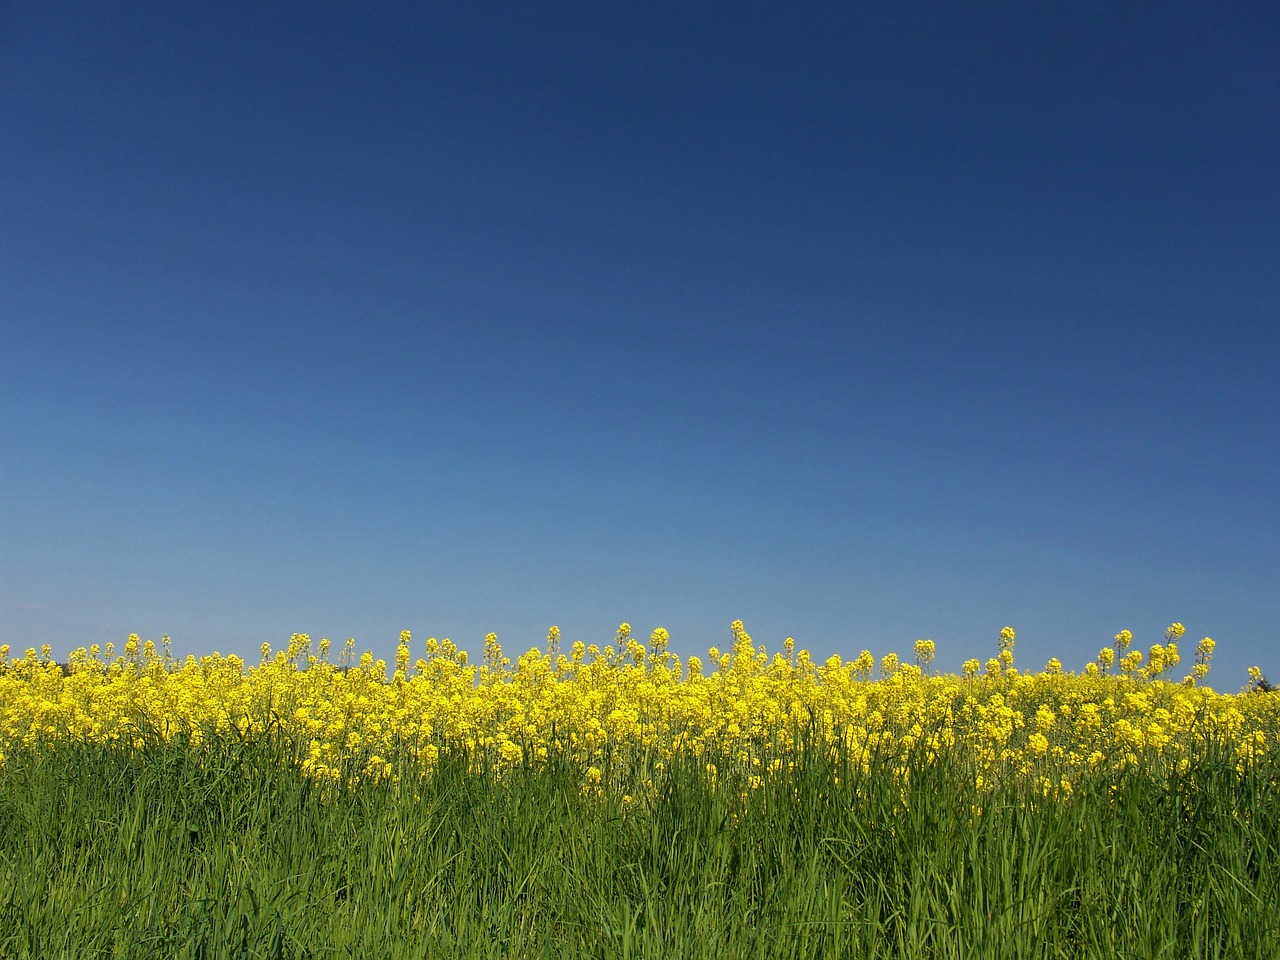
(623, 802)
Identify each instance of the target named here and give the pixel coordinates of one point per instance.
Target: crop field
(623, 802)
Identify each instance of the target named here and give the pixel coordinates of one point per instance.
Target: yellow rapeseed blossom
(624, 711)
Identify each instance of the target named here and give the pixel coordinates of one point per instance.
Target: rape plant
(620, 802)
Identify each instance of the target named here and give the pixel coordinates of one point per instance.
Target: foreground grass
(223, 849)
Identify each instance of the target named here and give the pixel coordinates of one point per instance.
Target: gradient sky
(858, 322)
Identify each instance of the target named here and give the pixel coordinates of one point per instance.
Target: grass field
(625, 804)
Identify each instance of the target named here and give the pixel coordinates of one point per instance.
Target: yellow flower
(741, 721)
(1045, 718)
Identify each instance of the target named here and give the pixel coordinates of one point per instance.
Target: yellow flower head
(924, 651)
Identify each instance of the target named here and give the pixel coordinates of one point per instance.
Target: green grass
(225, 851)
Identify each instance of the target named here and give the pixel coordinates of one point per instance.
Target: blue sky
(860, 323)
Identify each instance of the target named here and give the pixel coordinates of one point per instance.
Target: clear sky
(858, 322)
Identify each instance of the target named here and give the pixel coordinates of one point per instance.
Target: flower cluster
(624, 710)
